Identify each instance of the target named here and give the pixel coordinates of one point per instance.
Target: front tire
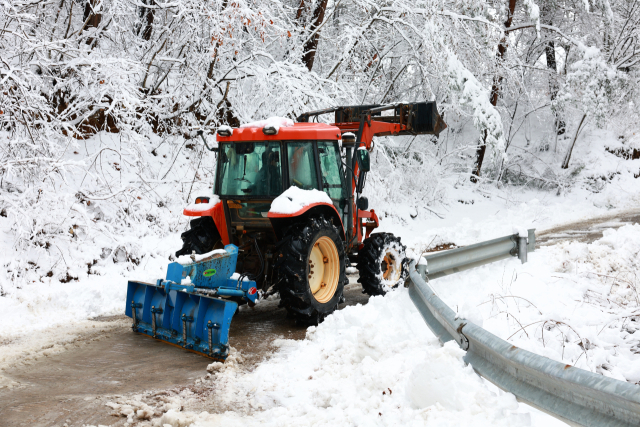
(382, 264)
(202, 237)
(311, 270)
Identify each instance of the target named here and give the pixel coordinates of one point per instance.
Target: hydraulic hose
(249, 275)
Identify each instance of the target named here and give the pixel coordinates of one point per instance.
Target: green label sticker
(210, 272)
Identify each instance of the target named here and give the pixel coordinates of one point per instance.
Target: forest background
(101, 100)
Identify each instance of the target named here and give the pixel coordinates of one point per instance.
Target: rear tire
(202, 237)
(311, 270)
(382, 264)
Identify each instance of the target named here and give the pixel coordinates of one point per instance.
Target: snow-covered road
(92, 361)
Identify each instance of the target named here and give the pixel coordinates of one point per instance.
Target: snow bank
(201, 207)
(95, 232)
(295, 198)
(376, 364)
(276, 122)
(574, 302)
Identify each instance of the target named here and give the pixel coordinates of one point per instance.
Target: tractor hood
(299, 131)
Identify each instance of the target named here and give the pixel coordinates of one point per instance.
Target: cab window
(302, 165)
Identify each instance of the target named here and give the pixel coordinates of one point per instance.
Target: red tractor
(302, 252)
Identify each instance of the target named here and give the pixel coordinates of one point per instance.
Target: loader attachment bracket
(418, 118)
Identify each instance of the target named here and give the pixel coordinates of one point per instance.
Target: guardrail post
(522, 249)
(531, 245)
(422, 270)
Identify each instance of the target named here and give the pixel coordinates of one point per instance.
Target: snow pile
(295, 199)
(201, 207)
(135, 409)
(576, 303)
(190, 259)
(376, 364)
(275, 122)
(132, 409)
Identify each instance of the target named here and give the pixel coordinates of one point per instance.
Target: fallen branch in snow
(533, 323)
(522, 328)
(567, 157)
(512, 296)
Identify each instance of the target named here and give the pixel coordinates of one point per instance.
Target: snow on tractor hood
(275, 122)
(295, 199)
(201, 207)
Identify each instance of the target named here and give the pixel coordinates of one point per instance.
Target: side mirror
(363, 159)
(362, 203)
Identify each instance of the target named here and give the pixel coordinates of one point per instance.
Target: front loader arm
(368, 128)
(367, 121)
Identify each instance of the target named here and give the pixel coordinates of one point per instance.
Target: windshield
(250, 169)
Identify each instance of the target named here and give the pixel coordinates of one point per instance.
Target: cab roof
(299, 131)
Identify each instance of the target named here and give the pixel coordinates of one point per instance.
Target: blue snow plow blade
(192, 308)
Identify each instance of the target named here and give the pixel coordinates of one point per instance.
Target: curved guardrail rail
(444, 263)
(573, 395)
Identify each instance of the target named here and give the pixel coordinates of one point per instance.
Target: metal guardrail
(444, 263)
(573, 395)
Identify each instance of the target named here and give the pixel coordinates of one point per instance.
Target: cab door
(333, 179)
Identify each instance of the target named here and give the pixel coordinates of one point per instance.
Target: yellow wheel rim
(323, 270)
(391, 270)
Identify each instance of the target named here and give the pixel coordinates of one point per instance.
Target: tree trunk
(550, 53)
(147, 16)
(495, 91)
(91, 18)
(311, 45)
(95, 18)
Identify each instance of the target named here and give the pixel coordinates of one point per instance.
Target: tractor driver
(269, 177)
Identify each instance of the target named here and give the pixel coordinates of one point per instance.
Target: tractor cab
(264, 169)
(252, 172)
